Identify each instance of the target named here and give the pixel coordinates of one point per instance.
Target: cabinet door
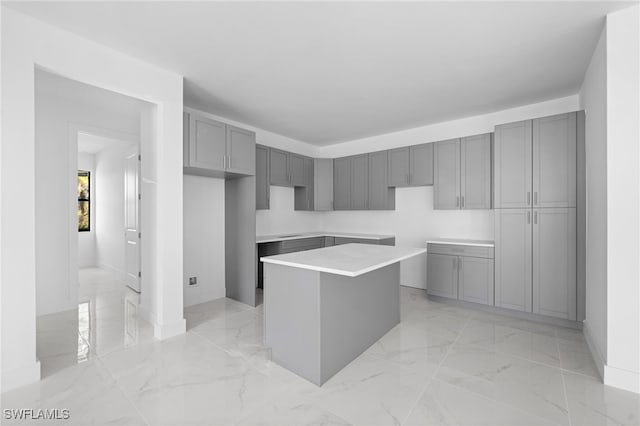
(476, 280)
(554, 262)
(446, 175)
(378, 183)
(207, 143)
(421, 164)
(241, 150)
(442, 275)
(323, 184)
(399, 167)
(279, 167)
(554, 161)
(296, 170)
(475, 169)
(262, 177)
(360, 182)
(512, 165)
(513, 257)
(309, 182)
(341, 183)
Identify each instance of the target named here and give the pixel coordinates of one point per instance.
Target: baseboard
(196, 299)
(597, 356)
(18, 377)
(622, 379)
(165, 331)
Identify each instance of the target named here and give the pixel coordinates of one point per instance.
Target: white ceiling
(330, 72)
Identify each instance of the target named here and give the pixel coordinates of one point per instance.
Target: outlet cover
(193, 280)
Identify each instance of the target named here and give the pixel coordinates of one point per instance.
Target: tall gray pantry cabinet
(535, 218)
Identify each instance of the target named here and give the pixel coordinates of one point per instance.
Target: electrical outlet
(193, 280)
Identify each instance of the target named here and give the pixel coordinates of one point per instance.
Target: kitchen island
(324, 307)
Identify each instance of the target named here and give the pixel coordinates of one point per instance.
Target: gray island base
(324, 307)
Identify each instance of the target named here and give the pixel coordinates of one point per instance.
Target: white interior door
(132, 220)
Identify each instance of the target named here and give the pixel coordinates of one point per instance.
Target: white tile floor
(441, 365)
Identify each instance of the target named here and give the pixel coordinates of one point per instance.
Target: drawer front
(289, 246)
(460, 250)
(329, 241)
(347, 240)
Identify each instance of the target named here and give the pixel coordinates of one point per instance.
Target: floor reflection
(107, 319)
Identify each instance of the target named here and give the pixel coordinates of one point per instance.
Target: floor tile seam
(123, 393)
(435, 373)
(566, 397)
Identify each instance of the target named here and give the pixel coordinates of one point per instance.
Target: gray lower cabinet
(461, 272)
(446, 175)
(352, 240)
(342, 183)
(213, 148)
(421, 164)
(262, 177)
(322, 184)
(279, 167)
(381, 195)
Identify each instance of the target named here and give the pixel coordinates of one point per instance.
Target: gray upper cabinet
(421, 164)
(323, 184)
(554, 161)
(296, 167)
(475, 168)
(399, 167)
(303, 192)
(442, 275)
(212, 148)
(554, 262)
(342, 183)
(360, 182)
(279, 167)
(207, 143)
(513, 259)
(446, 174)
(512, 165)
(241, 150)
(381, 196)
(262, 177)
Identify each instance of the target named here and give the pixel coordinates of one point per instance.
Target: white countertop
(349, 260)
(300, 235)
(461, 242)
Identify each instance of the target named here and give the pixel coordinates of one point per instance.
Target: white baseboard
(597, 356)
(165, 331)
(21, 376)
(193, 298)
(622, 379)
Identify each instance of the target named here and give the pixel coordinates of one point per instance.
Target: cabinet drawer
(290, 246)
(347, 240)
(460, 250)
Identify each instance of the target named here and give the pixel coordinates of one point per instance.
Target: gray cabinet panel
(342, 183)
(475, 165)
(207, 143)
(303, 191)
(360, 182)
(476, 280)
(442, 275)
(279, 167)
(554, 261)
(380, 194)
(323, 184)
(399, 167)
(296, 170)
(241, 150)
(513, 263)
(554, 161)
(446, 171)
(421, 165)
(513, 165)
(262, 177)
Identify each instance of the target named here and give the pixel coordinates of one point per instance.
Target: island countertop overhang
(349, 260)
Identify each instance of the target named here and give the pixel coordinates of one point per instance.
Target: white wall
(623, 199)
(204, 235)
(281, 218)
(27, 43)
(593, 99)
(87, 240)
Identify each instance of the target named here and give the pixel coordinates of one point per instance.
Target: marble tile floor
(442, 365)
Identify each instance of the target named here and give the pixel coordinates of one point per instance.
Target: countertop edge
(462, 243)
(274, 238)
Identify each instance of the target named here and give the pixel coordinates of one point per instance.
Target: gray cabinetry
(213, 148)
(279, 167)
(342, 183)
(512, 165)
(381, 196)
(421, 164)
(513, 248)
(304, 187)
(554, 262)
(399, 167)
(262, 177)
(554, 161)
(296, 167)
(446, 171)
(322, 184)
(360, 182)
(475, 172)
(353, 240)
(463, 272)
